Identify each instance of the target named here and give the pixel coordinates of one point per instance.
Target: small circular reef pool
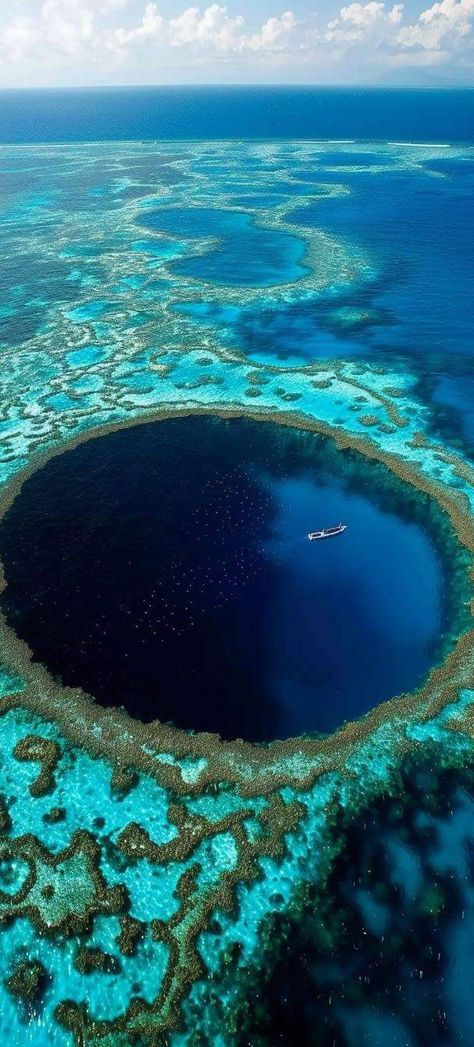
(166, 568)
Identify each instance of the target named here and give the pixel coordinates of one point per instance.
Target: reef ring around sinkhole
(257, 768)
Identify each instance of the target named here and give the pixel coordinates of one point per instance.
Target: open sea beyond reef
(227, 318)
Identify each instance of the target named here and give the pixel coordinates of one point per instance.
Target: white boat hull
(328, 532)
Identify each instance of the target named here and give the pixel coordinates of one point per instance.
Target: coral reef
(143, 868)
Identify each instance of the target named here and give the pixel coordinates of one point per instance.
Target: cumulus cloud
(378, 32)
(212, 28)
(151, 28)
(357, 20)
(445, 19)
(92, 33)
(277, 34)
(60, 28)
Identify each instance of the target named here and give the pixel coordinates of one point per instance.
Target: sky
(53, 43)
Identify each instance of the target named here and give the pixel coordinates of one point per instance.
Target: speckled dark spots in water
(168, 570)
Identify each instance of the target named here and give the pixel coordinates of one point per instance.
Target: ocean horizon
(198, 113)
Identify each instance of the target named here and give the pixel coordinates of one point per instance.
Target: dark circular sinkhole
(166, 568)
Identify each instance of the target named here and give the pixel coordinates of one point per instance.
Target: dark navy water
(177, 113)
(167, 568)
(420, 234)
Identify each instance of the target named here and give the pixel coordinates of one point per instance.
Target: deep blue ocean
(178, 552)
(177, 113)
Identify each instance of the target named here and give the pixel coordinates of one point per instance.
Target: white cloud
(214, 28)
(151, 28)
(61, 29)
(360, 20)
(17, 37)
(450, 17)
(67, 26)
(276, 34)
(211, 28)
(105, 35)
(377, 33)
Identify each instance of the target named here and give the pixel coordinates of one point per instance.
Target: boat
(327, 532)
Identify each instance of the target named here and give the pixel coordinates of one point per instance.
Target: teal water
(366, 257)
(243, 255)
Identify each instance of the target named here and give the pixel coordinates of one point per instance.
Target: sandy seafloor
(159, 887)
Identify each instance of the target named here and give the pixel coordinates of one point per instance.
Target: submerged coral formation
(140, 864)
